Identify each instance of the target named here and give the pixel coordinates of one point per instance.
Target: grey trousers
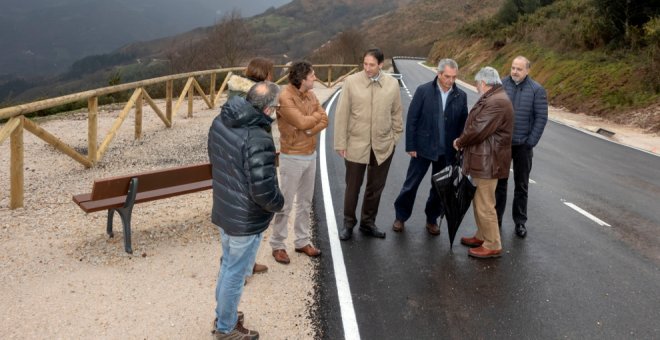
(296, 184)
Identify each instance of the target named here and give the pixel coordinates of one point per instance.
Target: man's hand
(413, 154)
(456, 144)
(341, 153)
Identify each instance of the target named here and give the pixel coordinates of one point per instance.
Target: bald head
(519, 68)
(263, 95)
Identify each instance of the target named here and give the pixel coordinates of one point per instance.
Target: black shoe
(521, 231)
(345, 233)
(372, 231)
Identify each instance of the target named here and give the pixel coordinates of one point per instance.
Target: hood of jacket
(237, 112)
(239, 84)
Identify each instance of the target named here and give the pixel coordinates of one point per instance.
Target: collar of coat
(489, 93)
(371, 81)
(298, 93)
(240, 84)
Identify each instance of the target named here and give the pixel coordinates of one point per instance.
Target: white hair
(489, 76)
(447, 62)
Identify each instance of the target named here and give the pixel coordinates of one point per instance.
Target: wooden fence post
(168, 101)
(212, 90)
(16, 168)
(92, 128)
(191, 96)
(138, 116)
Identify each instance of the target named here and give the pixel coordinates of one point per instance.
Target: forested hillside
(597, 57)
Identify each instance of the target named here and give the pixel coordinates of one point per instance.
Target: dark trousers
(376, 177)
(417, 169)
(522, 166)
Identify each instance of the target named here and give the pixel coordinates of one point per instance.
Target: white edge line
(462, 83)
(587, 214)
(349, 321)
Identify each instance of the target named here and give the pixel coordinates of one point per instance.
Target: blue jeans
(417, 169)
(238, 256)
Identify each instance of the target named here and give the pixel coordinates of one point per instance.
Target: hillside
(580, 70)
(412, 29)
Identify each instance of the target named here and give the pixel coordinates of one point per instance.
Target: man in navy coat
(435, 118)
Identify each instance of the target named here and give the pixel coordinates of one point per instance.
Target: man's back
(242, 153)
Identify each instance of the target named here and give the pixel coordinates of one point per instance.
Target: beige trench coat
(368, 117)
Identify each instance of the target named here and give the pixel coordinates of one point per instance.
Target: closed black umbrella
(456, 192)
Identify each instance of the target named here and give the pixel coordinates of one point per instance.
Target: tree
(230, 40)
(624, 19)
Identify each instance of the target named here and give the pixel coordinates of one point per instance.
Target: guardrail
(17, 122)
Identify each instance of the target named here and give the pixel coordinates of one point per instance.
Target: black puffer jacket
(530, 103)
(242, 153)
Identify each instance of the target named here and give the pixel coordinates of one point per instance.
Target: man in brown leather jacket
(486, 141)
(300, 118)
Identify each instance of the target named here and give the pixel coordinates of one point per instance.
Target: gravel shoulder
(62, 277)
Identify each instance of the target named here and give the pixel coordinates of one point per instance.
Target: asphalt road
(570, 278)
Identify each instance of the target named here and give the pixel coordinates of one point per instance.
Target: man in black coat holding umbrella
(435, 118)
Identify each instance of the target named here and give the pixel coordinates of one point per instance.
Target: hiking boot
(249, 333)
(236, 334)
(241, 319)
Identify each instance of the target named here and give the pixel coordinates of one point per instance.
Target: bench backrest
(152, 180)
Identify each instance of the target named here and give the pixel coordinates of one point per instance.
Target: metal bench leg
(125, 214)
(111, 213)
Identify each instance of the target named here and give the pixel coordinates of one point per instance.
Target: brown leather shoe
(433, 229)
(309, 250)
(471, 241)
(484, 253)
(259, 268)
(398, 226)
(281, 256)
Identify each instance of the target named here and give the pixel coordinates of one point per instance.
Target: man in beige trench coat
(368, 125)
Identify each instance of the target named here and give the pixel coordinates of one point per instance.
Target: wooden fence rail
(17, 122)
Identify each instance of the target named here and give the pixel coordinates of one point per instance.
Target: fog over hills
(43, 37)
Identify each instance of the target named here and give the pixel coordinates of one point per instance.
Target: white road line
(404, 84)
(349, 321)
(587, 214)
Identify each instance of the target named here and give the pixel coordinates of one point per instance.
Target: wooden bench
(121, 193)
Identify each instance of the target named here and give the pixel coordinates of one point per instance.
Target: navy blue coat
(242, 155)
(530, 106)
(422, 122)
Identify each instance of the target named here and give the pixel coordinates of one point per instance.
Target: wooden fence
(17, 122)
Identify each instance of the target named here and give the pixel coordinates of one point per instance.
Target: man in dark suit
(435, 118)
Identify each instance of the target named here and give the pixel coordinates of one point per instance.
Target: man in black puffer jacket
(530, 104)
(245, 195)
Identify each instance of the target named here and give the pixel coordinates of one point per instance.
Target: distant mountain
(44, 37)
(292, 31)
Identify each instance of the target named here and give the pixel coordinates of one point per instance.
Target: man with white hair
(435, 118)
(486, 141)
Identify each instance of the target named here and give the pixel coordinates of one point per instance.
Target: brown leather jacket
(486, 139)
(300, 118)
